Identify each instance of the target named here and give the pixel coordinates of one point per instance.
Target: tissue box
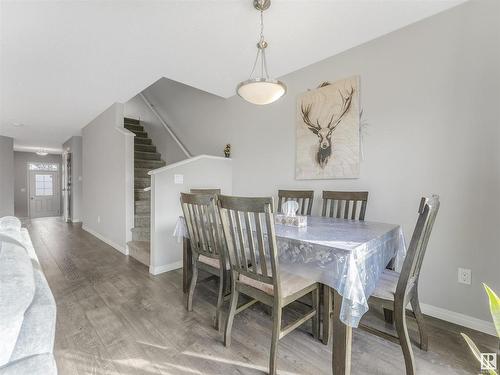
(292, 221)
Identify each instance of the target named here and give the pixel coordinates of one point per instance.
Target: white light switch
(178, 179)
(464, 276)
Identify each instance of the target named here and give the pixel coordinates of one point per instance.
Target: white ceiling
(63, 62)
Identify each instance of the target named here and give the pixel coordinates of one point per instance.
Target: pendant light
(262, 89)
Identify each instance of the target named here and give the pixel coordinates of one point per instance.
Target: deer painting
(324, 132)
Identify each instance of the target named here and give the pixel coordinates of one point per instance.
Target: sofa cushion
(43, 364)
(17, 288)
(38, 329)
(10, 223)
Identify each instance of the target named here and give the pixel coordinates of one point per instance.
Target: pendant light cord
(261, 51)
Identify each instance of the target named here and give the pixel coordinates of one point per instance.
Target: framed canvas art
(327, 131)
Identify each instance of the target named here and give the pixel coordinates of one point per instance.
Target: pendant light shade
(261, 90)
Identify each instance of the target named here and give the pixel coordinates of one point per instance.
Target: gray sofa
(27, 306)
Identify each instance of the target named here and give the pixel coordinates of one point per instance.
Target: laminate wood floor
(114, 317)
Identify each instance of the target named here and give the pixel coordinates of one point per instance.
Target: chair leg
(192, 286)
(424, 338)
(404, 338)
(315, 319)
(275, 338)
(220, 301)
(388, 316)
(230, 316)
(327, 309)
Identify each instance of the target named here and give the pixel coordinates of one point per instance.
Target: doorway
(44, 191)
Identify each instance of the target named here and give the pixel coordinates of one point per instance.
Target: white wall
(6, 176)
(74, 146)
(21, 183)
(165, 144)
(199, 172)
(108, 164)
(430, 94)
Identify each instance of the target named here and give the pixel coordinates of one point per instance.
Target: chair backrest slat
(250, 239)
(253, 256)
(344, 204)
(303, 197)
(260, 239)
(241, 237)
(412, 264)
(200, 214)
(232, 227)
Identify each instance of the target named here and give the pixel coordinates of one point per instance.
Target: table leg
(187, 264)
(342, 339)
(327, 311)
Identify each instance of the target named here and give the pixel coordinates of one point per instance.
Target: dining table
(346, 256)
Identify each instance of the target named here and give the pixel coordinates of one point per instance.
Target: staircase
(145, 159)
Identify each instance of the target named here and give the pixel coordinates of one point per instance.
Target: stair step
(142, 207)
(140, 251)
(141, 173)
(141, 183)
(142, 141)
(142, 220)
(140, 155)
(134, 128)
(140, 195)
(145, 148)
(141, 234)
(151, 164)
(131, 120)
(140, 134)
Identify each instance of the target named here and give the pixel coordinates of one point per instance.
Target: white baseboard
(165, 268)
(75, 221)
(460, 319)
(122, 250)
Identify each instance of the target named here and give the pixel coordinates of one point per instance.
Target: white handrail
(167, 128)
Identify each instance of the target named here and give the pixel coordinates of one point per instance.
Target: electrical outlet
(464, 276)
(98, 219)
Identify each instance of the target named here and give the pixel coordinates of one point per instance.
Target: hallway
(115, 318)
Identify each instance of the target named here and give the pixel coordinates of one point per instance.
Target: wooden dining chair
(201, 216)
(396, 290)
(248, 226)
(205, 191)
(303, 197)
(344, 204)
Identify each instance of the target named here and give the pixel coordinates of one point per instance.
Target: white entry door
(45, 193)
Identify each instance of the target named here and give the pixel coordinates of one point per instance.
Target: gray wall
(6, 176)
(21, 160)
(165, 144)
(108, 203)
(430, 94)
(74, 146)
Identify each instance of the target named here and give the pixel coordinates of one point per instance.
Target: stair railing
(165, 125)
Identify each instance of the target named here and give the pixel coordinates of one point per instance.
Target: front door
(44, 198)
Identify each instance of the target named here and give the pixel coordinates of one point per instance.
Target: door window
(43, 185)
